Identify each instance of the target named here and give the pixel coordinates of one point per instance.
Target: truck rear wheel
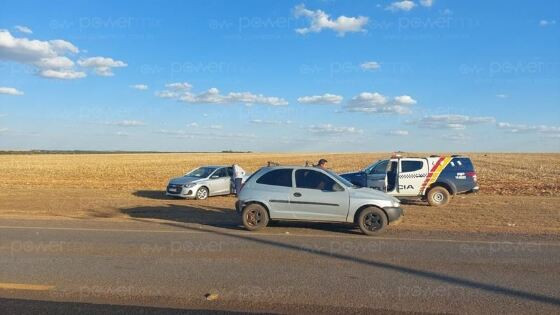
(438, 196)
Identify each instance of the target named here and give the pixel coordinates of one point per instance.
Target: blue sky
(325, 75)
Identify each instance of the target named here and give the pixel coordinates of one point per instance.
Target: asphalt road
(147, 266)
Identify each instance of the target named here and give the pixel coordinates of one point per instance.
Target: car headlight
(189, 185)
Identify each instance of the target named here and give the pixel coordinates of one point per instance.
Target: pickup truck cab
(435, 179)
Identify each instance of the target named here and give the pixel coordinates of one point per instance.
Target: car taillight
(472, 174)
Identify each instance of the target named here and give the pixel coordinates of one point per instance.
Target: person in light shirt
(238, 174)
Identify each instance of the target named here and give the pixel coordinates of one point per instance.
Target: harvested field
(498, 174)
(520, 193)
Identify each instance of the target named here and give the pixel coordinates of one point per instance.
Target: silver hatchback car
(202, 182)
(313, 194)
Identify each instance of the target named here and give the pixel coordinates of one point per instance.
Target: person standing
(238, 174)
(322, 164)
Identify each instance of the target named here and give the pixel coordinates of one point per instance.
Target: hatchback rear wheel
(372, 221)
(255, 217)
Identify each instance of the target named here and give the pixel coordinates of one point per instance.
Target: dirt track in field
(520, 192)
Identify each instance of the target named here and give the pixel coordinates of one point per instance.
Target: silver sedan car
(202, 182)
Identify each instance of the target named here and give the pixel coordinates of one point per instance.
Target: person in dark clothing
(322, 163)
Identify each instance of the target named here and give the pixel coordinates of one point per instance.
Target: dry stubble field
(520, 193)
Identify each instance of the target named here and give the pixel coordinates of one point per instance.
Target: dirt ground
(520, 193)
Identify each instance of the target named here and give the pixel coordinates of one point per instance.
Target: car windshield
(344, 181)
(201, 172)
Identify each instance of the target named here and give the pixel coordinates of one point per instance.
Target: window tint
(464, 164)
(411, 166)
(280, 177)
(393, 167)
(230, 171)
(220, 173)
(379, 168)
(311, 179)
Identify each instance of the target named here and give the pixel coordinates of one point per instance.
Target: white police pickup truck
(435, 179)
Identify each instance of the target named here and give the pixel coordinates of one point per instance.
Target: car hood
(352, 174)
(370, 193)
(185, 180)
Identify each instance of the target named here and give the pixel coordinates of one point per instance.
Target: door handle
(297, 194)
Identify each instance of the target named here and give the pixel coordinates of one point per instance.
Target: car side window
(411, 166)
(281, 177)
(380, 168)
(220, 173)
(230, 171)
(311, 179)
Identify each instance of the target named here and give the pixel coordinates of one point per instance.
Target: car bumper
(473, 191)
(394, 213)
(188, 193)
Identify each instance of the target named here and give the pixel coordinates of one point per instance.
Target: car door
(317, 196)
(412, 173)
(376, 175)
(275, 187)
(219, 182)
(391, 178)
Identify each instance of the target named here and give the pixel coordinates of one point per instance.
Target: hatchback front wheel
(372, 221)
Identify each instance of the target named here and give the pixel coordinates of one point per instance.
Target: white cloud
(330, 129)
(23, 29)
(397, 133)
(320, 20)
(404, 100)
(10, 91)
(32, 51)
(122, 134)
(405, 5)
(3, 130)
(204, 134)
(370, 65)
(102, 66)
(127, 123)
(326, 98)
(270, 122)
(193, 125)
(426, 3)
(368, 102)
(545, 23)
(547, 131)
(52, 58)
(141, 87)
(456, 122)
(179, 86)
(63, 74)
(501, 95)
(456, 137)
(213, 96)
(167, 94)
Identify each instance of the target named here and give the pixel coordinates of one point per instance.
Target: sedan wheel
(202, 193)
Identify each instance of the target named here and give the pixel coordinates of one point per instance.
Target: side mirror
(337, 187)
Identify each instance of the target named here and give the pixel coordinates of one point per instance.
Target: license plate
(173, 189)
